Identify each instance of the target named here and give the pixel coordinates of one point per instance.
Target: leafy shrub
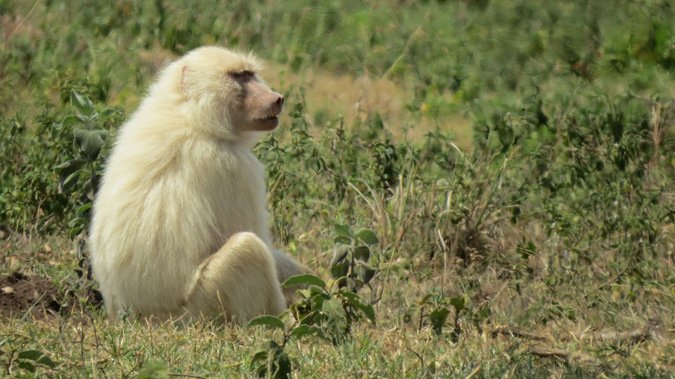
(81, 176)
(326, 311)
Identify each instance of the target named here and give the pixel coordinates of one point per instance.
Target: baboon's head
(227, 93)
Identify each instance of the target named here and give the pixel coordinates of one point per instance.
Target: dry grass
(356, 99)
(86, 344)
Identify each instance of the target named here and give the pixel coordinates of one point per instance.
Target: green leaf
(271, 345)
(342, 240)
(261, 355)
(355, 301)
(33, 355)
(366, 273)
(339, 270)
(91, 141)
(266, 320)
(45, 360)
(304, 293)
(300, 309)
(108, 113)
(67, 183)
(82, 103)
(351, 297)
(318, 300)
(316, 290)
(353, 284)
(458, 302)
(83, 208)
(68, 173)
(335, 321)
(333, 307)
(282, 364)
(344, 230)
(306, 330)
(369, 311)
(69, 121)
(274, 358)
(526, 251)
(68, 167)
(438, 317)
(340, 252)
(425, 299)
(37, 356)
(483, 313)
(26, 365)
(362, 253)
(368, 237)
(308, 279)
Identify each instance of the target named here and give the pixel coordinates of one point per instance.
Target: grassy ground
(514, 159)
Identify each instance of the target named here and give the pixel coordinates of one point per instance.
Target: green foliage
(29, 194)
(271, 362)
(81, 175)
(332, 309)
(324, 312)
(153, 370)
(29, 361)
(434, 309)
(350, 256)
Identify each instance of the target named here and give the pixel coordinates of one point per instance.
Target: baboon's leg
(238, 282)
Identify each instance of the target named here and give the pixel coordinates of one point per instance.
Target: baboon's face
(258, 106)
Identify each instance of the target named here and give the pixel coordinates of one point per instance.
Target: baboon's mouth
(266, 118)
(266, 122)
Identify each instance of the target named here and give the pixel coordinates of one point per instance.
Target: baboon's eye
(242, 75)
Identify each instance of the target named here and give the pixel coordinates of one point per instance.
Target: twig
(474, 373)
(418, 356)
(445, 261)
(647, 333)
(636, 336)
(370, 203)
(656, 133)
(275, 185)
(186, 376)
(30, 309)
(18, 25)
(517, 332)
(546, 352)
(403, 54)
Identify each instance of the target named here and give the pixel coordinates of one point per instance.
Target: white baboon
(180, 225)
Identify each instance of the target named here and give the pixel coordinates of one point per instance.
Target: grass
(514, 159)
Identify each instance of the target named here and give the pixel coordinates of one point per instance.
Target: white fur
(179, 189)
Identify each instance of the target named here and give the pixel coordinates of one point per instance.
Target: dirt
(21, 294)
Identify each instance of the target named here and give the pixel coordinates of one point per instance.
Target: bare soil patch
(21, 294)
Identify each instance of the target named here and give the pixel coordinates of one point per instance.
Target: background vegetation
(515, 160)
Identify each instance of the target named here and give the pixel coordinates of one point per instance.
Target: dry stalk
(657, 131)
(517, 332)
(648, 333)
(547, 352)
(10, 32)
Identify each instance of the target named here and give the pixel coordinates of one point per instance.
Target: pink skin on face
(261, 106)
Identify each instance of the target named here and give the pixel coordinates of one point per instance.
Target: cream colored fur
(180, 225)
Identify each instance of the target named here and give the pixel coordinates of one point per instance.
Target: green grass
(515, 159)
